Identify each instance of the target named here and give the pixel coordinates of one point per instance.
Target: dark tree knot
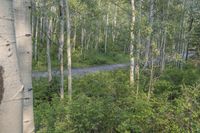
(1, 84)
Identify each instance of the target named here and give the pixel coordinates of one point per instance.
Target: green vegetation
(158, 38)
(79, 61)
(105, 103)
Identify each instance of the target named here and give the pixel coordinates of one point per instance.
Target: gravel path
(81, 71)
(88, 70)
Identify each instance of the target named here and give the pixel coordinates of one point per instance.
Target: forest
(99, 66)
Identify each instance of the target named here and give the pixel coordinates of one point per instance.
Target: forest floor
(81, 71)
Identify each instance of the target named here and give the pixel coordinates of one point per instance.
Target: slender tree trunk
(189, 32)
(88, 41)
(82, 39)
(163, 45)
(147, 52)
(114, 25)
(24, 49)
(34, 29)
(132, 59)
(139, 48)
(74, 38)
(106, 30)
(49, 28)
(163, 51)
(41, 31)
(151, 79)
(98, 37)
(61, 49)
(36, 41)
(69, 62)
(179, 47)
(11, 88)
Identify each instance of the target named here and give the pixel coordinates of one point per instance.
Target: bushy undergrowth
(105, 103)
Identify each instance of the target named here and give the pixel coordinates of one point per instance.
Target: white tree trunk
(61, 41)
(24, 49)
(132, 59)
(69, 62)
(114, 24)
(137, 68)
(11, 88)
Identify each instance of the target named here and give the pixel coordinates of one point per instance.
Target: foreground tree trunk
(24, 49)
(11, 88)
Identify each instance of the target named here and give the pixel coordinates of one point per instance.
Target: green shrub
(105, 103)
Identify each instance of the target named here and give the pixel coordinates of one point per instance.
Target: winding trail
(81, 71)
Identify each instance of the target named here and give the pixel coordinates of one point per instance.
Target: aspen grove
(99, 66)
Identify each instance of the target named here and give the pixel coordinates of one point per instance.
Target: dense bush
(105, 103)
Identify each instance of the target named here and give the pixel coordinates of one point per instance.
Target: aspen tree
(151, 19)
(48, 28)
(75, 35)
(61, 41)
(106, 29)
(132, 59)
(69, 62)
(164, 38)
(114, 24)
(82, 35)
(11, 88)
(24, 50)
(137, 69)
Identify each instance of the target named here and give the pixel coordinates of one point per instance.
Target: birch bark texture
(24, 50)
(132, 59)
(11, 88)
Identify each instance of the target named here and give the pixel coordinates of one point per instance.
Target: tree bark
(49, 28)
(106, 30)
(132, 59)
(82, 39)
(61, 41)
(114, 25)
(69, 62)
(137, 70)
(11, 88)
(24, 49)
(74, 37)
(147, 52)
